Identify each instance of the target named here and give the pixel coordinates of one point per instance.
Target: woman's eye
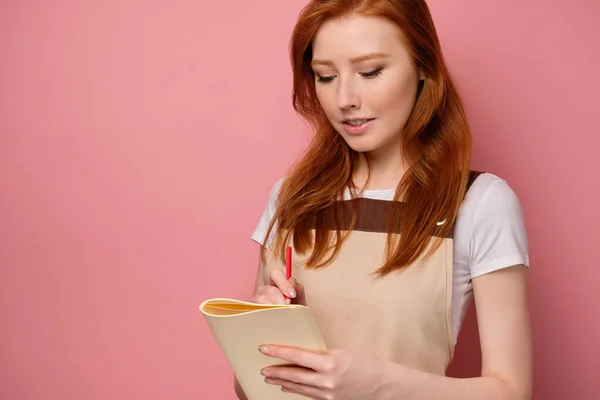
(371, 74)
(324, 79)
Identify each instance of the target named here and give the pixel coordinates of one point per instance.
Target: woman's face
(365, 80)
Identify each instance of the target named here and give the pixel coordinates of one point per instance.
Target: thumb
(300, 295)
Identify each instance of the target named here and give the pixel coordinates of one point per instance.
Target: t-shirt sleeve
(260, 231)
(498, 236)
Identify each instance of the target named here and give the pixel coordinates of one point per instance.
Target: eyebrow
(355, 60)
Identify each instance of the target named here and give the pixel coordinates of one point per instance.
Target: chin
(362, 144)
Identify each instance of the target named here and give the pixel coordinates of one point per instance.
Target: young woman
(392, 233)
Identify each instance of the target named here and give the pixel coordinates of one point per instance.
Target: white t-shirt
(489, 235)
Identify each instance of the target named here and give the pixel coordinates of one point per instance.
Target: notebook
(241, 327)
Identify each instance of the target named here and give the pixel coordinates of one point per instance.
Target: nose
(347, 95)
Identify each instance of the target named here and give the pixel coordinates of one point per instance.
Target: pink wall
(138, 141)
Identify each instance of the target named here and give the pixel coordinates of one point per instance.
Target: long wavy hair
(436, 144)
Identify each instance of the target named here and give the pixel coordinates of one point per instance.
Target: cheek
(395, 106)
(396, 98)
(326, 100)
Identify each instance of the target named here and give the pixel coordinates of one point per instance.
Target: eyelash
(366, 75)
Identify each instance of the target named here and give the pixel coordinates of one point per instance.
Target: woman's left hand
(339, 374)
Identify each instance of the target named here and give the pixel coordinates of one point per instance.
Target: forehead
(348, 37)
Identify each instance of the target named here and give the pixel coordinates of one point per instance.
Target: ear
(421, 76)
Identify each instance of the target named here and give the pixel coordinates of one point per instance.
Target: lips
(356, 121)
(357, 126)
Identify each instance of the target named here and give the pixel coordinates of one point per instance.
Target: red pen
(288, 265)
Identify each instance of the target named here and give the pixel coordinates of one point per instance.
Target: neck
(386, 166)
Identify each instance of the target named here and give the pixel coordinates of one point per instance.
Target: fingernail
(263, 350)
(292, 293)
(264, 372)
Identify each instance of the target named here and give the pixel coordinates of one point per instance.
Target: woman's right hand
(278, 288)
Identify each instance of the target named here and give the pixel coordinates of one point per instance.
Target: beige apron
(404, 317)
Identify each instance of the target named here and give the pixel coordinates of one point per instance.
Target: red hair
(436, 144)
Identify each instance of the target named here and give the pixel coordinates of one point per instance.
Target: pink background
(138, 142)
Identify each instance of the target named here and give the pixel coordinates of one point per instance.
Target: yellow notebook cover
(241, 327)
